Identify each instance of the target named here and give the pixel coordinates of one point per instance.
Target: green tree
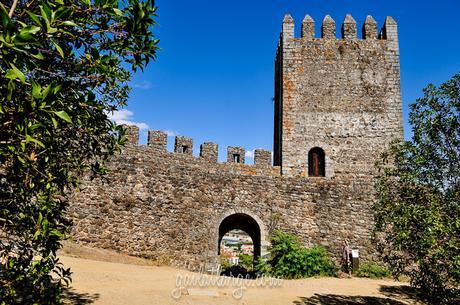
(64, 65)
(418, 208)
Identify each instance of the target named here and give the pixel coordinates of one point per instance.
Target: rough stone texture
(183, 145)
(236, 154)
(370, 28)
(169, 206)
(308, 28)
(262, 157)
(132, 134)
(209, 151)
(340, 95)
(157, 139)
(349, 28)
(328, 28)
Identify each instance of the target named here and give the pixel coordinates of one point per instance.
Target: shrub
(262, 267)
(246, 261)
(290, 259)
(373, 270)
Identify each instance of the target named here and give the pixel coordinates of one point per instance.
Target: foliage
(262, 267)
(224, 263)
(373, 270)
(290, 259)
(64, 65)
(418, 208)
(246, 261)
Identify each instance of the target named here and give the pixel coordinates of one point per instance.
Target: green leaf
(38, 56)
(63, 115)
(31, 139)
(118, 12)
(34, 17)
(69, 23)
(46, 91)
(36, 90)
(55, 123)
(58, 48)
(28, 32)
(15, 73)
(35, 126)
(56, 233)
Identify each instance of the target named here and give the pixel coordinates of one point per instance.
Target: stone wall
(341, 95)
(162, 204)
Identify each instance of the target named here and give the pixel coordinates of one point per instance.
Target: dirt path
(106, 278)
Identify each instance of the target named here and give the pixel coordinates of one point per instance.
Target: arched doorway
(245, 223)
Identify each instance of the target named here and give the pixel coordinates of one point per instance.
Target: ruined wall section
(342, 95)
(169, 205)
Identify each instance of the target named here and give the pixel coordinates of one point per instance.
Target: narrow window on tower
(236, 158)
(316, 162)
(184, 149)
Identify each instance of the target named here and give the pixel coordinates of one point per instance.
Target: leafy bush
(262, 267)
(373, 270)
(290, 259)
(417, 215)
(246, 261)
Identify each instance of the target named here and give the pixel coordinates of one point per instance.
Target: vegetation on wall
(418, 209)
(64, 65)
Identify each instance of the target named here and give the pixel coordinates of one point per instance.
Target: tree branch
(13, 7)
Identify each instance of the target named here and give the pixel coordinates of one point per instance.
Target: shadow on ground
(332, 299)
(394, 295)
(72, 297)
(405, 293)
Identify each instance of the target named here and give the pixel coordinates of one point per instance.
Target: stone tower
(337, 100)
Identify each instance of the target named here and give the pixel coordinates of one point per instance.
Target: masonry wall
(169, 206)
(339, 94)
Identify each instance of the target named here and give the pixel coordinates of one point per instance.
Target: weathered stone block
(183, 145)
(236, 154)
(262, 157)
(157, 139)
(132, 134)
(209, 151)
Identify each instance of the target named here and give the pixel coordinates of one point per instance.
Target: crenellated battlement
(348, 29)
(325, 85)
(337, 107)
(158, 140)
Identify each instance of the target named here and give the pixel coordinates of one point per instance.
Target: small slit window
(316, 162)
(236, 158)
(184, 149)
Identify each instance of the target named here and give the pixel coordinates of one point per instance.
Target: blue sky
(213, 78)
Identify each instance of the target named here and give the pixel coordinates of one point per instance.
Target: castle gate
(337, 106)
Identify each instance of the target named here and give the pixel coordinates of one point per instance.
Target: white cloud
(124, 116)
(171, 133)
(249, 154)
(145, 85)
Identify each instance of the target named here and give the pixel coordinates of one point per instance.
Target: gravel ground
(102, 277)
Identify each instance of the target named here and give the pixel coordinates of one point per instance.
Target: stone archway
(243, 222)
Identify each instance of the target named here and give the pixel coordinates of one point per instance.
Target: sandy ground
(104, 278)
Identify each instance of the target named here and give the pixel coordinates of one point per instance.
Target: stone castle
(337, 107)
